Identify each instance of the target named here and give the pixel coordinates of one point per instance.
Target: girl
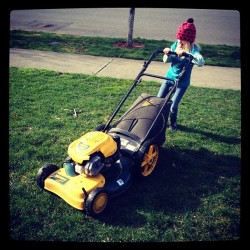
(185, 35)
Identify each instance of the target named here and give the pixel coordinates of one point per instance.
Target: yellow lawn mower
(103, 163)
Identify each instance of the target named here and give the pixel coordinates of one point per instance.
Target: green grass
(193, 195)
(215, 55)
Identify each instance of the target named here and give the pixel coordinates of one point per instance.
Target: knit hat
(187, 31)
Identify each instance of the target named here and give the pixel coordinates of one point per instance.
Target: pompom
(190, 20)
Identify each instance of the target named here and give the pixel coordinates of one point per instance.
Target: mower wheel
(96, 202)
(148, 156)
(44, 172)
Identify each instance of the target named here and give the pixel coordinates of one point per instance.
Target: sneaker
(173, 127)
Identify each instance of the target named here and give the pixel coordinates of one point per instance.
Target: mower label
(81, 146)
(147, 103)
(120, 182)
(59, 178)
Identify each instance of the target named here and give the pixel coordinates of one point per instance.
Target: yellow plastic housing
(95, 141)
(70, 188)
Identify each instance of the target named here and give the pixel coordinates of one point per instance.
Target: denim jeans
(176, 98)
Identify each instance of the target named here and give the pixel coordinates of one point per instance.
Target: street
(213, 26)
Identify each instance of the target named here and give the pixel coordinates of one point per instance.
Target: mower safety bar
(154, 55)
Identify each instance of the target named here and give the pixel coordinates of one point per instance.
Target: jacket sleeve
(198, 58)
(167, 58)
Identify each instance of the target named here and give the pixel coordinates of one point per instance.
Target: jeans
(176, 98)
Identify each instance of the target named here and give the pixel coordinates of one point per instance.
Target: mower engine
(93, 152)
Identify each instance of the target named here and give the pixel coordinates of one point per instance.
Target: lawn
(194, 195)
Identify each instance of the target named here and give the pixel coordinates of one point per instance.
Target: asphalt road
(214, 26)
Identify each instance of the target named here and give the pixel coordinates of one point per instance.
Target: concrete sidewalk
(206, 76)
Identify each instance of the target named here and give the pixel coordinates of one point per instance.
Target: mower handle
(138, 79)
(185, 54)
(157, 52)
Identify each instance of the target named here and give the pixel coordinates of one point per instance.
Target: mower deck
(70, 188)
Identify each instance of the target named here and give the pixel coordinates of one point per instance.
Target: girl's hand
(166, 50)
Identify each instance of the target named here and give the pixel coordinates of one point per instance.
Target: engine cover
(81, 149)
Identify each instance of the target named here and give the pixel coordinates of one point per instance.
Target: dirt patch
(123, 45)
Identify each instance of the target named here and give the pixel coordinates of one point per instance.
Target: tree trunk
(131, 27)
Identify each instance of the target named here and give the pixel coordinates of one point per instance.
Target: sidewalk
(206, 76)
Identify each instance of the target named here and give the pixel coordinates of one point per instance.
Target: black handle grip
(183, 54)
(172, 53)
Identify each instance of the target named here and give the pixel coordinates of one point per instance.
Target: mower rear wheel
(149, 155)
(44, 172)
(96, 202)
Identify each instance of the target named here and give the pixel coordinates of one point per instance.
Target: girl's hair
(187, 47)
(199, 47)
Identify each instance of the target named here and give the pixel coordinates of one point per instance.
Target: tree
(131, 27)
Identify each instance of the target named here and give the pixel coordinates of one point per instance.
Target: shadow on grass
(214, 136)
(182, 178)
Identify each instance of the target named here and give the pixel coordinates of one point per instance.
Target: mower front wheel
(147, 159)
(44, 172)
(96, 202)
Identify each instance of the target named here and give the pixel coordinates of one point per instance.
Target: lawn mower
(103, 163)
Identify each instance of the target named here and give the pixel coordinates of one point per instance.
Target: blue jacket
(178, 63)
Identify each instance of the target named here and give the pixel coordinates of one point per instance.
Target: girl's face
(182, 43)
